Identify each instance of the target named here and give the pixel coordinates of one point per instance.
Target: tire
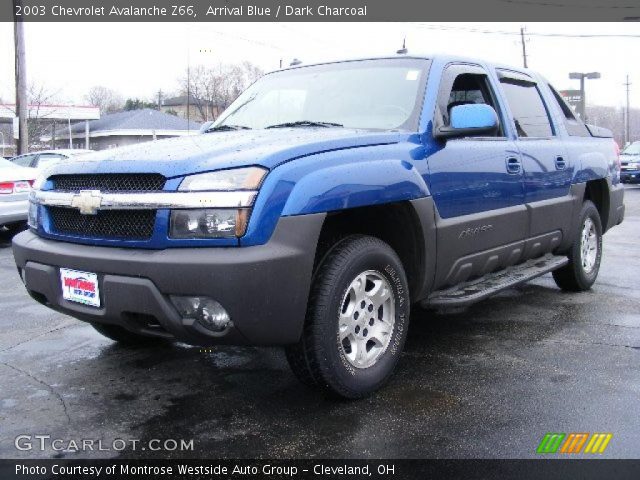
(334, 353)
(584, 264)
(124, 336)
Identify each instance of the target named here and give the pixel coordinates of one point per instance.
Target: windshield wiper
(305, 123)
(226, 128)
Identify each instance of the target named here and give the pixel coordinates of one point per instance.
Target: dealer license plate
(80, 287)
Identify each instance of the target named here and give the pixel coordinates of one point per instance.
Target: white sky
(137, 59)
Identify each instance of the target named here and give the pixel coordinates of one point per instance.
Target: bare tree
(38, 124)
(107, 100)
(214, 88)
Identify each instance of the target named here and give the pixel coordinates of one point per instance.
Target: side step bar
(471, 292)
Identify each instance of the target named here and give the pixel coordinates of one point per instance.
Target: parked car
(324, 202)
(630, 163)
(15, 185)
(46, 158)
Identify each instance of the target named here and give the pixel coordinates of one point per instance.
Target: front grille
(109, 182)
(116, 224)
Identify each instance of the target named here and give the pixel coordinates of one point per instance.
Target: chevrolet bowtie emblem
(87, 201)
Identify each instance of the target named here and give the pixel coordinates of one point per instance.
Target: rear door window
(529, 112)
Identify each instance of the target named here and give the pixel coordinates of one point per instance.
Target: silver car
(46, 158)
(15, 185)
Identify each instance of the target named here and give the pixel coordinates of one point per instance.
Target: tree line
(211, 89)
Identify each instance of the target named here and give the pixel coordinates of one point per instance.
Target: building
(125, 128)
(42, 119)
(199, 110)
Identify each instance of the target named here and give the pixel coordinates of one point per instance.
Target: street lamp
(581, 76)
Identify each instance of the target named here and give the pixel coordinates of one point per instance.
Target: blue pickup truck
(323, 203)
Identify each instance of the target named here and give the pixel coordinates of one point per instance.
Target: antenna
(403, 50)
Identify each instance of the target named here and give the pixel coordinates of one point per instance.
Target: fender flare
(353, 185)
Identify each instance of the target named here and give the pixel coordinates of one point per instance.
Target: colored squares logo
(595, 443)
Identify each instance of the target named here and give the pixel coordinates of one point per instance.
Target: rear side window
(24, 161)
(529, 113)
(575, 127)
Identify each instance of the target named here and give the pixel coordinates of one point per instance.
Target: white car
(15, 185)
(46, 158)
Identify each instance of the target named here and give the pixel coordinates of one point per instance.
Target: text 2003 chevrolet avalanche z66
(322, 204)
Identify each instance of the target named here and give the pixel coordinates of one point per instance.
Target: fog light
(206, 311)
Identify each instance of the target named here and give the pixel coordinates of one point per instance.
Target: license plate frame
(80, 287)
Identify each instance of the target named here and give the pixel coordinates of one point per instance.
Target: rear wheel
(124, 336)
(585, 254)
(357, 319)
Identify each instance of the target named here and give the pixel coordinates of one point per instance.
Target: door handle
(513, 165)
(560, 163)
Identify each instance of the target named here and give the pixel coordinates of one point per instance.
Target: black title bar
(317, 10)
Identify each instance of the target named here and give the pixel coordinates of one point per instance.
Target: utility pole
(22, 107)
(524, 47)
(160, 99)
(627, 132)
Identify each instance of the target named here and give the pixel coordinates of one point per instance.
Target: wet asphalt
(485, 383)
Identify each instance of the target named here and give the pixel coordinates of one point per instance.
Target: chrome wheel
(589, 245)
(367, 319)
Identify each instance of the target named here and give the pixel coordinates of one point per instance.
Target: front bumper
(12, 212)
(263, 288)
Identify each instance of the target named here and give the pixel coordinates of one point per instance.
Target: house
(199, 110)
(125, 128)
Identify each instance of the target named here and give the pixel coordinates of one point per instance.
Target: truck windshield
(368, 94)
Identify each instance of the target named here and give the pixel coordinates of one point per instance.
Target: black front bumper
(263, 288)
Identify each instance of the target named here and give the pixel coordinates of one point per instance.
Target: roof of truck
(411, 55)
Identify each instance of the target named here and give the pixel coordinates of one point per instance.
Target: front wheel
(357, 319)
(585, 254)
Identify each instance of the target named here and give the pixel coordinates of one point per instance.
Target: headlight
(209, 223)
(216, 222)
(234, 179)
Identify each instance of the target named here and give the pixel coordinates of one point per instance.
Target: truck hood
(220, 150)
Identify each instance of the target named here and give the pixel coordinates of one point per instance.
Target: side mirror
(472, 120)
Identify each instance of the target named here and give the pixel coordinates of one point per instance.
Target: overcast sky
(138, 59)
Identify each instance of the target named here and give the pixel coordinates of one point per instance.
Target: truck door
(477, 186)
(545, 162)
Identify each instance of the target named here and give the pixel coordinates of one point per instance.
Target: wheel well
(598, 192)
(397, 224)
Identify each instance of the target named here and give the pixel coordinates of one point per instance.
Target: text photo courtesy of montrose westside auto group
(320, 240)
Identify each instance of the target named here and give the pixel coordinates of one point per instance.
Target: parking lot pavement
(489, 382)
